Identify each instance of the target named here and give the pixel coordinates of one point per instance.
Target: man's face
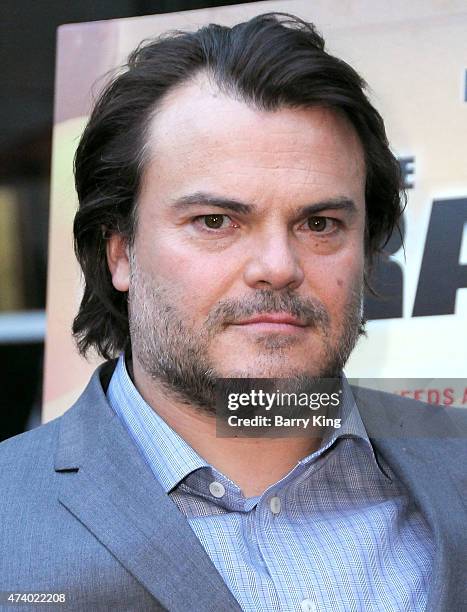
(244, 213)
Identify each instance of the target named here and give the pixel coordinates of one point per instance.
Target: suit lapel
(421, 464)
(107, 485)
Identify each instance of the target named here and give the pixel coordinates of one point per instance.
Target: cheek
(196, 281)
(350, 288)
(341, 283)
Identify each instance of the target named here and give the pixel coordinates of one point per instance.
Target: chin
(270, 370)
(270, 362)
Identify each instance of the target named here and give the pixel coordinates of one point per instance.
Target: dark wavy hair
(275, 60)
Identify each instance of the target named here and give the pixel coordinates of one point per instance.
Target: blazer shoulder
(435, 432)
(397, 404)
(28, 450)
(36, 447)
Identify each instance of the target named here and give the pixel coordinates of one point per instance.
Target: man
(234, 188)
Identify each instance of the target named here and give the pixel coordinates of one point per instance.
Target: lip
(272, 319)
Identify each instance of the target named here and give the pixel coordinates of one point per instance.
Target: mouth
(272, 322)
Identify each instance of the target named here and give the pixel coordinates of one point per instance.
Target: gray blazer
(82, 514)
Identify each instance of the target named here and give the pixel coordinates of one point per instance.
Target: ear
(118, 261)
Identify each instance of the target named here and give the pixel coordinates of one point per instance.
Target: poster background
(413, 56)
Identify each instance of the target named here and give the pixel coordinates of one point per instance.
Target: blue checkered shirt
(343, 534)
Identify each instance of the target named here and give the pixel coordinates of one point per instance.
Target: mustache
(309, 311)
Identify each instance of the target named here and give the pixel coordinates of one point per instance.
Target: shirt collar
(351, 425)
(171, 458)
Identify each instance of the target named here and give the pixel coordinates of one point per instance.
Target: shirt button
(275, 505)
(308, 605)
(217, 489)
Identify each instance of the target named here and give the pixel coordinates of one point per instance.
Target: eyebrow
(201, 198)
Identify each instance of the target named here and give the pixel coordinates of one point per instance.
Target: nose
(273, 263)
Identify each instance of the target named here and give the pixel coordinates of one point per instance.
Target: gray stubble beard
(177, 358)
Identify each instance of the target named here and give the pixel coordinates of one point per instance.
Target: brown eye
(214, 221)
(317, 224)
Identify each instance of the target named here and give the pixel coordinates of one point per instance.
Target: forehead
(200, 138)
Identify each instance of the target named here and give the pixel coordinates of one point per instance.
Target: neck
(272, 458)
